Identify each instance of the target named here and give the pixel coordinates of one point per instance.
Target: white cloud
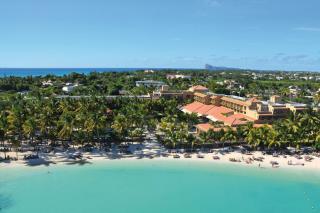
(309, 29)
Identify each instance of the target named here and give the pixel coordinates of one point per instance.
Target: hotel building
(233, 110)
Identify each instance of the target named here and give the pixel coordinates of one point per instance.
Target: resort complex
(168, 106)
(125, 123)
(118, 114)
(232, 110)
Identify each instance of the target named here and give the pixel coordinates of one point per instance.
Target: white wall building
(69, 87)
(171, 76)
(149, 83)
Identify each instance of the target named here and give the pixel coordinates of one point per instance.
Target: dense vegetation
(40, 118)
(99, 122)
(261, 84)
(297, 131)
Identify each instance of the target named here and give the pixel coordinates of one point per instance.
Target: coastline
(46, 161)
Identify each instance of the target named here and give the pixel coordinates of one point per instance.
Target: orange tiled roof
(215, 114)
(238, 119)
(219, 110)
(204, 109)
(204, 127)
(193, 107)
(218, 113)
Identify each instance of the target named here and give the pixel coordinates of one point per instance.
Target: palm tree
(229, 135)
(317, 142)
(120, 125)
(47, 119)
(16, 119)
(66, 124)
(294, 127)
(204, 137)
(316, 98)
(190, 139)
(212, 136)
(182, 131)
(243, 131)
(4, 126)
(29, 129)
(254, 138)
(272, 137)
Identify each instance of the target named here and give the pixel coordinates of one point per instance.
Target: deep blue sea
(23, 72)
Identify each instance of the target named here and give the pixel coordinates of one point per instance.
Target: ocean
(158, 187)
(23, 72)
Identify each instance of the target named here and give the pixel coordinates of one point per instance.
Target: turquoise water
(154, 186)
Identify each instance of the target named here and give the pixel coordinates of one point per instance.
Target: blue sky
(257, 34)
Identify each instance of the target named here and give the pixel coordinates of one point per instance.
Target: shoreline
(47, 160)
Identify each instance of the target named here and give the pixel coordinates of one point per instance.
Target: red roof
(204, 127)
(218, 113)
(238, 119)
(228, 117)
(221, 110)
(204, 109)
(191, 108)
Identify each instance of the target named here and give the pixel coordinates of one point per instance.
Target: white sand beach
(157, 154)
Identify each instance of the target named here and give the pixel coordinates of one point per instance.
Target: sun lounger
(200, 156)
(216, 157)
(232, 159)
(308, 158)
(187, 155)
(176, 156)
(295, 163)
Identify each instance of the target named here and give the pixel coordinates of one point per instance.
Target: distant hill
(210, 67)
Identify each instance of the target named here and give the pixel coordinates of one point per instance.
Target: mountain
(210, 67)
